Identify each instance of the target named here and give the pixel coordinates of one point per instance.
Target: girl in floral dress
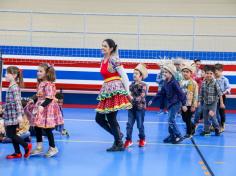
(46, 110)
(114, 94)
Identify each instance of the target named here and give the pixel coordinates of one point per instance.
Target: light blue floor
(83, 154)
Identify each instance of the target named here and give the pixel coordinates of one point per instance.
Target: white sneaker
(38, 150)
(51, 152)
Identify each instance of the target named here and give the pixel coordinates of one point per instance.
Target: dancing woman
(114, 94)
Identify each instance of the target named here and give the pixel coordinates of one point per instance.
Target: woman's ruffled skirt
(113, 97)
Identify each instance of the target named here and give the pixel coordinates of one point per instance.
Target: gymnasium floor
(83, 154)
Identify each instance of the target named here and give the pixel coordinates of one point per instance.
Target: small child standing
(178, 62)
(190, 88)
(47, 111)
(175, 99)
(13, 112)
(198, 113)
(198, 70)
(223, 82)
(209, 94)
(60, 128)
(160, 81)
(138, 90)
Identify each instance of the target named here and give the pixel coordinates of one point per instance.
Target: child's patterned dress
(51, 115)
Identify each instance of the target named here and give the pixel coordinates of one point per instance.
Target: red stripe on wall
(64, 63)
(91, 64)
(31, 85)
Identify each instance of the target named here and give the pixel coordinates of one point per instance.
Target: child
(160, 80)
(178, 64)
(13, 112)
(46, 110)
(190, 88)
(198, 70)
(223, 82)
(175, 97)
(209, 95)
(198, 113)
(60, 128)
(138, 91)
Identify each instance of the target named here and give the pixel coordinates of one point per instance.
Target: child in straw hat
(138, 90)
(160, 81)
(175, 98)
(190, 88)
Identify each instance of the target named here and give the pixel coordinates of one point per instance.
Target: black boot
(116, 147)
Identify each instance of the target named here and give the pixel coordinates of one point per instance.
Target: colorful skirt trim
(113, 97)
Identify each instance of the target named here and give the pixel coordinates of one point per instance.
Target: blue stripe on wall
(135, 54)
(69, 75)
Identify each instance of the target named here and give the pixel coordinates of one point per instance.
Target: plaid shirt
(210, 92)
(224, 84)
(138, 92)
(13, 107)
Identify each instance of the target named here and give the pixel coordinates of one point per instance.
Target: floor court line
(148, 143)
(207, 167)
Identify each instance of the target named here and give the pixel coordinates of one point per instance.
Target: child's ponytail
(20, 81)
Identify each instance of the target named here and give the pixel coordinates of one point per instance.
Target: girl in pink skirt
(46, 111)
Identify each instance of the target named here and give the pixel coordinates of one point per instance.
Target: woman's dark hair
(111, 44)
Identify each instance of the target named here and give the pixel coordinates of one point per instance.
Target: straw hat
(164, 61)
(142, 68)
(171, 68)
(188, 65)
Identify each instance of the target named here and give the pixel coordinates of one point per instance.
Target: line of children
(212, 87)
